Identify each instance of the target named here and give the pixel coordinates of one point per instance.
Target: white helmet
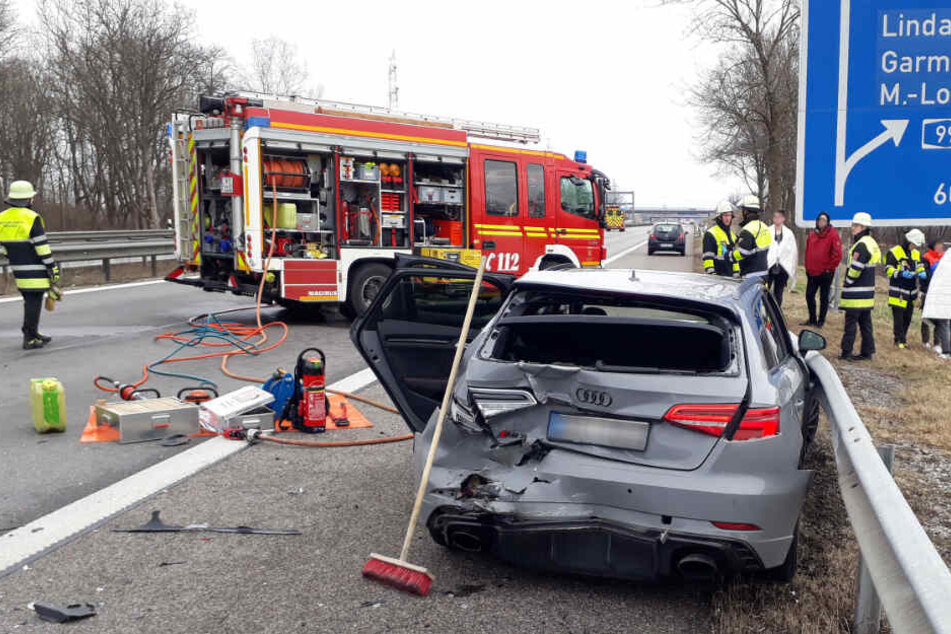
(915, 237)
(725, 207)
(751, 203)
(862, 218)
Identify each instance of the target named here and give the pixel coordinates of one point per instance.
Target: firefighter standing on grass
(23, 238)
(903, 267)
(718, 242)
(858, 289)
(752, 246)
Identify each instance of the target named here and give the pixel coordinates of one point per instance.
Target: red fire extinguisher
(312, 404)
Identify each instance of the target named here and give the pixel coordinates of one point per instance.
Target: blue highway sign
(875, 112)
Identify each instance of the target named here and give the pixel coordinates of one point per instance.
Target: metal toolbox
(149, 419)
(429, 194)
(260, 418)
(452, 195)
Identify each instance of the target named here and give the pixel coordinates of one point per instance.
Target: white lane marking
(93, 289)
(623, 253)
(32, 541)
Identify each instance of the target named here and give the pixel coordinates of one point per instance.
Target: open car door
(408, 335)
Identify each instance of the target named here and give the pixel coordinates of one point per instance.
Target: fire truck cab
(328, 193)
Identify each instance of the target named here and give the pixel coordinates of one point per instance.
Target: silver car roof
(699, 287)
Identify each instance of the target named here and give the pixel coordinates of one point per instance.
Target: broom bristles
(398, 574)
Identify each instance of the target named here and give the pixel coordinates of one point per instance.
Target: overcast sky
(606, 77)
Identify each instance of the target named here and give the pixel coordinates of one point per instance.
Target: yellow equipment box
(469, 257)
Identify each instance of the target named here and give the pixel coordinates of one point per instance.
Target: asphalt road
(347, 503)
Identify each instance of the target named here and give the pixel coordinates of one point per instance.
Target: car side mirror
(809, 340)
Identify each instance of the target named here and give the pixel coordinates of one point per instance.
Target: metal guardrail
(105, 246)
(908, 574)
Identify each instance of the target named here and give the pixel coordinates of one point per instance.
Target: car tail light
(736, 526)
(712, 419)
(680, 238)
(492, 402)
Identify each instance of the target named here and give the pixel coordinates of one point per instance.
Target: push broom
(399, 573)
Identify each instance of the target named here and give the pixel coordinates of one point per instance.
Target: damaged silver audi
(618, 423)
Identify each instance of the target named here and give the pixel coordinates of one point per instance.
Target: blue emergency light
(581, 156)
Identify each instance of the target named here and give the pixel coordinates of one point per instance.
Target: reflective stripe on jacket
(24, 241)
(858, 290)
(717, 244)
(900, 289)
(752, 247)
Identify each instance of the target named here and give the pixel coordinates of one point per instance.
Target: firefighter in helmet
(23, 239)
(718, 242)
(753, 244)
(904, 267)
(858, 289)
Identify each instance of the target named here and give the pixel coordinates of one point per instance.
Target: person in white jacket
(938, 305)
(782, 259)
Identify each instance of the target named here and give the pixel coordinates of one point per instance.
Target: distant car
(623, 424)
(667, 236)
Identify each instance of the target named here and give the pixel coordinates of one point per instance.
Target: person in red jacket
(823, 255)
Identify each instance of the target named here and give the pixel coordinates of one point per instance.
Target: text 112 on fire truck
(351, 186)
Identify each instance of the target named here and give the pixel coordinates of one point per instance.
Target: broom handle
(437, 432)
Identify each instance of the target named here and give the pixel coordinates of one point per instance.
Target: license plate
(667, 244)
(593, 430)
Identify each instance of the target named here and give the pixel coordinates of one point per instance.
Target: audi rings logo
(599, 398)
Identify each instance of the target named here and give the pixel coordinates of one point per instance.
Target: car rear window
(611, 334)
(666, 228)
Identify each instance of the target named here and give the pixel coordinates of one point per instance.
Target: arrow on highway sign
(858, 117)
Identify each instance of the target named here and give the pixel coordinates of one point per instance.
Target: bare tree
(276, 68)
(26, 136)
(748, 101)
(120, 67)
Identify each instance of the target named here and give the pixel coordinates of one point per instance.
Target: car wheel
(367, 282)
(786, 571)
(650, 252)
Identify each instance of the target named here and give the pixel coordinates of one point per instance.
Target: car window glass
(766, 332)
(536, 191)
(777, 328)
(577, 197)
(666, 228)
(440, 300)
(501, 188)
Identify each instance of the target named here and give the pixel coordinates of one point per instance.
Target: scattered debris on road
(156, 525)
(57, 614)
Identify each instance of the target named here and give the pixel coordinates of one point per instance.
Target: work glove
(54, 273)
(923, 275)
(908, 275)
(723, 250)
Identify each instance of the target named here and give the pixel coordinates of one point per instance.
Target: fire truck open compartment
(346, 187)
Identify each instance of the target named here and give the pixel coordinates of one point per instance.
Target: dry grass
(902, 398)
(821, 597)
(915, 379)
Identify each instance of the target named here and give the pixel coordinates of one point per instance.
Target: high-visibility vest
(753, 258)
(30, 258)
(716, 261)
(902, 290)
(860, 294)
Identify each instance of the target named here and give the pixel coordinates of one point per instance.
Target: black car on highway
(667, 236)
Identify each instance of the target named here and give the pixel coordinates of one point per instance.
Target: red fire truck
(333, 191)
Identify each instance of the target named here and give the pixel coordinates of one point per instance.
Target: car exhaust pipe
(466, 541)
(697, 567)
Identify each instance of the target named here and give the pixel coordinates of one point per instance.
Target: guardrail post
(154, 266)
(107, 269)
(868, 606)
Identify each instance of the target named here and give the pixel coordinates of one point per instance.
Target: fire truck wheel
(367, 282)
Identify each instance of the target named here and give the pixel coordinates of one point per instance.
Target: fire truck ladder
(482, 129)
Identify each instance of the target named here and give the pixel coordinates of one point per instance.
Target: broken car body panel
(556, 459)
